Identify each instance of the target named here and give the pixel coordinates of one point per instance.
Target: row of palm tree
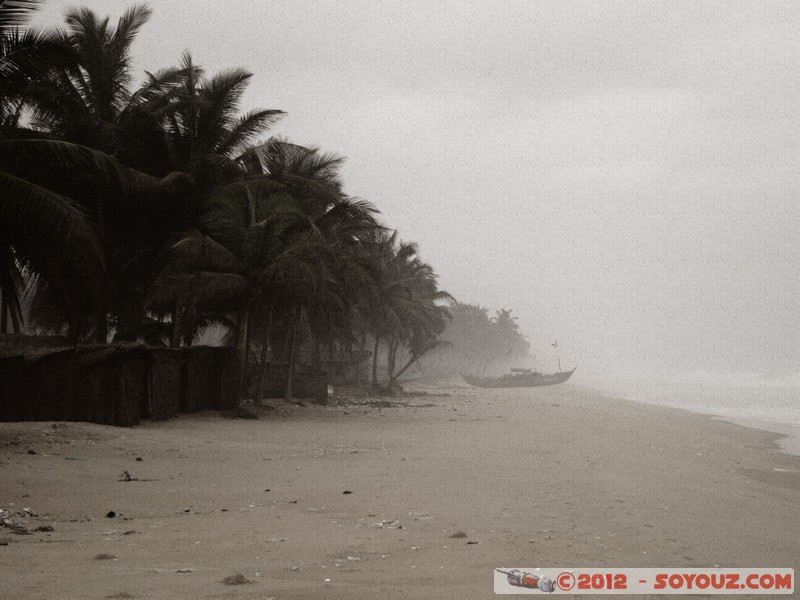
(153, 213)
(479, 343)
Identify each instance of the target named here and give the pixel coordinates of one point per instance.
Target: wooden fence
(114, 384)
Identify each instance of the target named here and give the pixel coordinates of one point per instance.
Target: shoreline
(443, 488)
(788, 434)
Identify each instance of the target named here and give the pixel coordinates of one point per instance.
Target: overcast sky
(623, 175)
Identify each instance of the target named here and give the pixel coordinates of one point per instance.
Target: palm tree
(479, 342)
(271, 245)
(206, 135)
(83, 103)
(407, 311)
(241, 256)
(89, 102)
(80, 103)
(25, 56)
(197, 121)
(43, 230)
(309, 180)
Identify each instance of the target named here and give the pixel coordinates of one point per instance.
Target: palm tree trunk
(375, 361)
(317, 360)
(414, 358)
(262, 361)
(391, 358)
(334, 368)
(290, 369)
(362, 346)
(240, 348)
(393, 379)
(15, 320)
(101, 322)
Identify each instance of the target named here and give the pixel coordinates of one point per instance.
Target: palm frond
(158, 88)
(14, 13)
(244, 129)
(192, 73)
(200, 252)
(200, 289)
(29, 54)
(348, 217)
(104, 57)
(128, 27)
(32, 215)
(19, 155)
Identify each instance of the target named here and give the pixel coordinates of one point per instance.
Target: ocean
(750, 400)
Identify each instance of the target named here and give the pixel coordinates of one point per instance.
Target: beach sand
(419, 499)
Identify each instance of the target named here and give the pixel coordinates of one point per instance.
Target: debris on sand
(420, 516)
(237, 579)
(181, 570)
(459, 534)
(126, 476)
(384, 524)
(105, 556)
(15, 519)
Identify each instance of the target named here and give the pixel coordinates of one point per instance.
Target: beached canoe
(519, 379)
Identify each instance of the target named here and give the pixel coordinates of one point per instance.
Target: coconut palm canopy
(153, 212)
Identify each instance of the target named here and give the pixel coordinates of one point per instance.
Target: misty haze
(349, 299)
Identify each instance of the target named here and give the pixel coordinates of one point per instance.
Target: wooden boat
(519, 378)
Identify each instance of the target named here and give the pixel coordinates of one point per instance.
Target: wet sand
(419, 499)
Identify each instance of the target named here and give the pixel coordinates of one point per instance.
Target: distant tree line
(475, 342)
(153, 212)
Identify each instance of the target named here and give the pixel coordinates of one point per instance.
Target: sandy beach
(416, 497)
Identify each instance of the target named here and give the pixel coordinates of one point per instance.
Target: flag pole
(555, 346)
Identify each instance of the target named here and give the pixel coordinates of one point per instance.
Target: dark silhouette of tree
(155, 212)
(408, 310)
